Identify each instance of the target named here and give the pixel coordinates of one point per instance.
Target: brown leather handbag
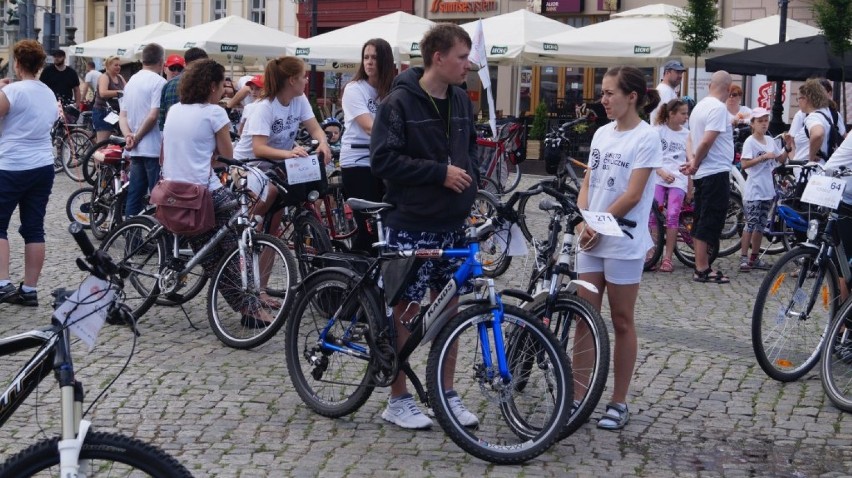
(183, 208)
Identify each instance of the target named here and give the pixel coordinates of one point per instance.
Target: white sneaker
(463, 415)
(403, 411)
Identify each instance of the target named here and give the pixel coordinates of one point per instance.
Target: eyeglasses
(734, 95)
(176, 68)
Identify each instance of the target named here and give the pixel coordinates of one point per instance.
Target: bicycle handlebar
(570, 206)
(99, 263)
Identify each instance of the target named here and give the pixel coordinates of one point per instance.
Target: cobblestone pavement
(700, 405)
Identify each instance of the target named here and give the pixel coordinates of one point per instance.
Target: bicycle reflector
(813, 229)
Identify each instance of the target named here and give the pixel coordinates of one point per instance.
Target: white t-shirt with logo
(674, 155)
(141, 95)
(759, 185)
(667, 93)
(710, 114)
(359, 98)
(613, 158)
(189, 140)
(272, 119)
(25, 130)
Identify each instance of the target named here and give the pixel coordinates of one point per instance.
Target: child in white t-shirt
(760, 156)
(671, 183)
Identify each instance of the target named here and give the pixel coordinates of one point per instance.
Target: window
(129, 22)
(257, 13)
(219, 9)
(179, 13)
(5, 16)
(68, 21)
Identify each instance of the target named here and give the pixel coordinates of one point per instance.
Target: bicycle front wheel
(78, 205)
(329, 380)
(796, 301)
(141, 255)
(494, 250)
(249, 296)
(836, 362)
(582, 333)
(103, 454)
(518, 417)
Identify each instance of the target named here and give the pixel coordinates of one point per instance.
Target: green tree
(539, 125)
(697, 28)
(834, 18)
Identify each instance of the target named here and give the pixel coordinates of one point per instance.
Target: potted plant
(537, 131)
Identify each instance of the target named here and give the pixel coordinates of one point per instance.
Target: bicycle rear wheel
(104, 454)
(732, 232)
(245, 315)
(507, 174)
(684, 248)
(494, 250)
(88, 165)
(534, 223)
(786, 334)
(518, 420)
(74, 147)
(78, 205)
(331, 382)
(308, 238)
(105, 209)
(836, 365)
(141, 253)
(582, 333)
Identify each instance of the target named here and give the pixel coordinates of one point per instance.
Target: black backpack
(834, 136)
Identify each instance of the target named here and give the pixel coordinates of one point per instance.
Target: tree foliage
(697, 28)
(834, 18)
(539, 125)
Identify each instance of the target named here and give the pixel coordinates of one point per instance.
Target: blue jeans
(144, 173)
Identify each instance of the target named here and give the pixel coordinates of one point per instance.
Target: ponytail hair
(632, 80)
(652, 102)
(667, 109)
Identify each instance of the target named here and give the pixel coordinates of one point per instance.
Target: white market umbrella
(506, 35)
(125, 45)
(641, 37)
(766, 30)
(232, 37)
(343, 46)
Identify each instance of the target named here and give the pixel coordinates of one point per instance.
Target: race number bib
(603, 223)
(303, 170)
(824, 191)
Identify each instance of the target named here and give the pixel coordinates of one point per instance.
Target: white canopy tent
(765, 30)
(125, 45)
(642, 37)
(506, 35)
(342, 47)
(233, 38)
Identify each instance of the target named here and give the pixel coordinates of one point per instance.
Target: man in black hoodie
(424, 148)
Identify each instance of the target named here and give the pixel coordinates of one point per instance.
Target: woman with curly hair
(27, 111)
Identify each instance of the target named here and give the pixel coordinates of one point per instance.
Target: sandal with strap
(710, 275)
(666, 266)
(616, 417)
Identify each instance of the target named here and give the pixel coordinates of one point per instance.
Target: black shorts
(712, 194)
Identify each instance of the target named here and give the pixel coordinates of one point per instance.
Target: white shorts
(616, 271)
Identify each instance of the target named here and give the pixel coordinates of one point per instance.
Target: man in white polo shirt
(713, 145)
(672, 76)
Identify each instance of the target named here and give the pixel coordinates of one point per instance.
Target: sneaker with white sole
(403, 411)
(462, 414)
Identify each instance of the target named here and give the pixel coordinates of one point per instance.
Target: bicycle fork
(496, 326)
(74, 428)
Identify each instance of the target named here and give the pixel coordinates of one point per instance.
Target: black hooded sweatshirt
(411, 151)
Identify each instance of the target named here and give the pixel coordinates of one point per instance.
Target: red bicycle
(500, 158)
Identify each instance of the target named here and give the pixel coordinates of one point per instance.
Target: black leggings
(359, 182)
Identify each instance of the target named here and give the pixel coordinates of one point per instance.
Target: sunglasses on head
(175, 68)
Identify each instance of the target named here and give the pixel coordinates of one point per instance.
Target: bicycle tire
(308, 363)
(88, 164)
(658, 237)
(494, 250)
(781, 240)
(42, 458)
(104, 209)
(308, 238)
(78, 205)
(508, 174)
(73, 148)
(233, 327)
(142, 256)
(503, 435)
(569, 310)
(732, 232)
(684, 246)
(789, 347)
(836, 364)
(525, 215)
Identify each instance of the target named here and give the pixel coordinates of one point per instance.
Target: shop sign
(227, 48)
(550, 47)
(463, 6)
(303, 51)
(499, 50)
(121, 51)
(641, 50)
(562, 6)
(415, 46)
(188, 45)
(78, 50)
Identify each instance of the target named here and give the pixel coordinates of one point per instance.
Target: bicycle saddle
(367, 206)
